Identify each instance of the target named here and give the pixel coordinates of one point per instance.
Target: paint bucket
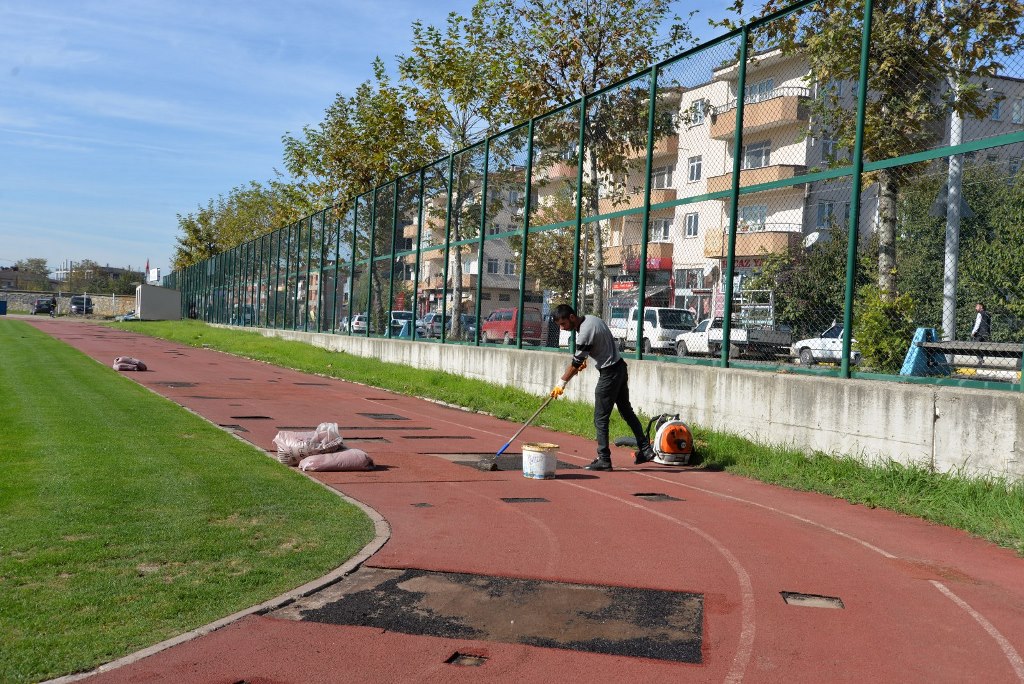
(539, 460)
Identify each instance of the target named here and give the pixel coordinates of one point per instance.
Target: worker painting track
(794, 586)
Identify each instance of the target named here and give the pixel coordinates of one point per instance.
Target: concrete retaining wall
(103, 305)
(949, 428)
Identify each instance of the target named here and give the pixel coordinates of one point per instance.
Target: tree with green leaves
(35, 274)
(924, 61)
(363, 141)
(575, 47)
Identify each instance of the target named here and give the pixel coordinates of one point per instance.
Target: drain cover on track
(383, 416)
(643, 623)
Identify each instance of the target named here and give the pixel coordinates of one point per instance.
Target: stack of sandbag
(293, 446)
(349, 459)
(128, 363)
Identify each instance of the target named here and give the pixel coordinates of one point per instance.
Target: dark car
(42, 305)
(81, 304)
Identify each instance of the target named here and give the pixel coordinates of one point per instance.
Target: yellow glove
(557, 392)
(582, 366)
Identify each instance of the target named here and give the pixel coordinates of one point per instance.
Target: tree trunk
(888, 187)
(597, 242)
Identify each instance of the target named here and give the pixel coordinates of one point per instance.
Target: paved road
(885, 597)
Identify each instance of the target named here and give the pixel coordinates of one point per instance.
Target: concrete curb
(382, 532)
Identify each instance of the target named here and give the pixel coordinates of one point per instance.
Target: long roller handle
(524, 426)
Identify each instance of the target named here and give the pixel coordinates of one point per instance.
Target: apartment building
(688, 243)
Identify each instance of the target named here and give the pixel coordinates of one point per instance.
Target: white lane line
(777, 511)
(746, 639)
(1016, 662)
(1011, 654)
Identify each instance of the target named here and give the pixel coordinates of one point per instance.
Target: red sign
(400, 301)
(619, 285)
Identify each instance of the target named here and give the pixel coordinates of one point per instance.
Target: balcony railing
(756, 240)
(764, 174)
(635, 200)
(778, 107)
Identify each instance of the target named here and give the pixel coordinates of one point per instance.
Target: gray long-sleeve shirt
(595, 340)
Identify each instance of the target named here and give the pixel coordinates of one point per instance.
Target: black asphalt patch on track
(642, 623)
(514, 462)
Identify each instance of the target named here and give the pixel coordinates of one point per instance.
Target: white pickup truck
(661, 326)
(706, 340)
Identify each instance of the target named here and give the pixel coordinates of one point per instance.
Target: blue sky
(117, 115)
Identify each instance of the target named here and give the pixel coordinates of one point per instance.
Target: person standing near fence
(594, 340)
(982, 330)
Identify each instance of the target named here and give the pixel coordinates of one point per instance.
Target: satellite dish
(818, 237)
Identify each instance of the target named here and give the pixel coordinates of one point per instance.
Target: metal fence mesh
(761, 200)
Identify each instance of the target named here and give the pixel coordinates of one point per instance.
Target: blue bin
(3, 307)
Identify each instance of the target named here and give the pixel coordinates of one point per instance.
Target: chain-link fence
(825, 189)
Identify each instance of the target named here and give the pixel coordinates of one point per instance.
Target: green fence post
(526, 227)
(858, 166)
(734, 198)
(646, 220)
(579, 207)
(447, 250)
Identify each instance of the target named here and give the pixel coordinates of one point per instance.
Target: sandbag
(128, 363)
(293, 446)
(350, 459)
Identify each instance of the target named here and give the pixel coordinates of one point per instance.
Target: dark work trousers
(613, 390)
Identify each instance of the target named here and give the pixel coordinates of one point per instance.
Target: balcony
(774, 238)
(780, 107)
(607, 205)
(657, 253)
(669, 145)
(765, 174)
(560, 170)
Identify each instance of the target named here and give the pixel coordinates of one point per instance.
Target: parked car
(42, 305)
(501, 324)
(661, 326)
(357, 325)
(244, 315)
(397, 318)
(80, 304)
(828, 347)
(429, 325)
(129, 316)
(468, 324)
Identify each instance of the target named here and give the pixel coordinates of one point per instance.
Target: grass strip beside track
(992, 508)
(125, 519)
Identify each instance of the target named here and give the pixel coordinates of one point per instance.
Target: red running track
(921, 602)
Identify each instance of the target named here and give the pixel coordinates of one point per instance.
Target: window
(504, 298)
(753, 217)
(826, 215)
(692, 278)
(997, 106)
(829, 147)
(762, 90)
(661, 177)
(692, 225)
(1015, 164)
(697, 112)
(661, 230)
(492, 265)
(695, 164)
(757, 155)
(515, 198)
(510, 267)
(832, 87)
(493, 229)
(1017, 115)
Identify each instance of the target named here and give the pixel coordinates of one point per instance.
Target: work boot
(643, 454)
(600, 464)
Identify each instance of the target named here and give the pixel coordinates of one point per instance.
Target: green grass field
(125, 520)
